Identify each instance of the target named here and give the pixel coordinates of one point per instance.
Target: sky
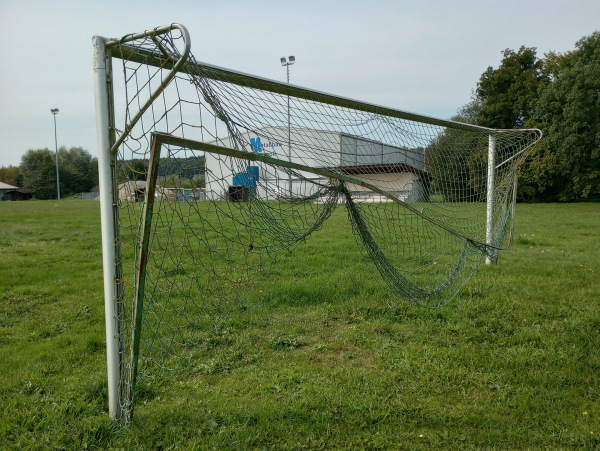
(422, 56)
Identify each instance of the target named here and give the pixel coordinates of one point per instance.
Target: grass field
(318, 357)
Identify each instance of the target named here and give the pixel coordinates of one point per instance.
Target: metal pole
(289, 130)
(109, 236)
(140, 275)
(287, 63)
(54, 112)
(489, 223)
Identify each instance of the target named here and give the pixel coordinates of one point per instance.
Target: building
(5, 188)
(9, 192)
(135, 190)
(395, 170)
(132, 190)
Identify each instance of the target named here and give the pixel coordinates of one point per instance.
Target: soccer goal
(207, 174)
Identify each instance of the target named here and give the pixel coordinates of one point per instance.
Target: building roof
(5, 186)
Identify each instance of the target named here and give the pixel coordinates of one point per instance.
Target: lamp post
(287, 63)
(54, 112)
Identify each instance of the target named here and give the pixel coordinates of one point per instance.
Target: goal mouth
(208, 174)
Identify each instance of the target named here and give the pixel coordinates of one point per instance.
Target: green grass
(317, 356)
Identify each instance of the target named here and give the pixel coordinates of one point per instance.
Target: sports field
(318, 356)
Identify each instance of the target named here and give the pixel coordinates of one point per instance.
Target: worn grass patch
(318, 356)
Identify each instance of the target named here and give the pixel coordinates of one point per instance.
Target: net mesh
(262, 167)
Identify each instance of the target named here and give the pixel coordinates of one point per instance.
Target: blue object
(256, 144)
(255, 172)
(248, 178)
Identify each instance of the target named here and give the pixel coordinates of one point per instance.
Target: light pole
(287, 63)
(54, 112)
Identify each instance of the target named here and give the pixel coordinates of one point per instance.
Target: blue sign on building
(256, 144)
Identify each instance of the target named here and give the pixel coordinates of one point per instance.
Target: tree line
(77, 172)
(185, 172)
(560, 95)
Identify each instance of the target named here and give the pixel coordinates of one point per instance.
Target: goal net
(208, 174)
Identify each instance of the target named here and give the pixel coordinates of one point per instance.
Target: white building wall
(313, 148)
(406, 186)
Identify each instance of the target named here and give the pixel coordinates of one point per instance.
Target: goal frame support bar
(489, 223)
(109, 218)
(135, 54)
(143, 252)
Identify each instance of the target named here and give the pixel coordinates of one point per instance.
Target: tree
(132, 170)
(559, 94)
(78, 172)
(509, 94)
(571, 118)
(458, 152)
(11, 175)
(536, 180)
(507, 98)
(39, 173)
